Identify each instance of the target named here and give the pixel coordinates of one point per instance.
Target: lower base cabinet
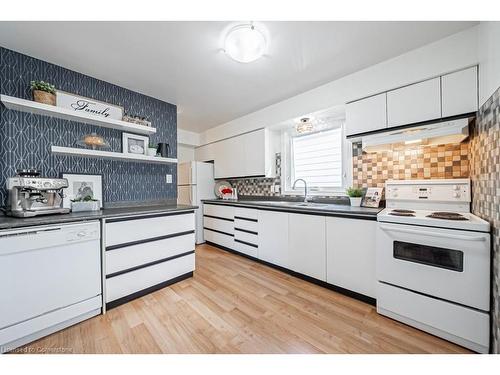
(307, 245)
(273, 238)
(140, 261)
(351, 254)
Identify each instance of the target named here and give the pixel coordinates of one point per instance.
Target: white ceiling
(182, 62)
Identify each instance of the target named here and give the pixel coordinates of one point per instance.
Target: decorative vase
(44, 97)
(151, 151)
(355, 201)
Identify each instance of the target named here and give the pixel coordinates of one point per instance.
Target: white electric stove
(433, 261)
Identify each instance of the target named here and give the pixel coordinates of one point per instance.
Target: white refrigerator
(195, 181)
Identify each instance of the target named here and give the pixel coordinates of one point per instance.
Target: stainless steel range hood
(453, 131)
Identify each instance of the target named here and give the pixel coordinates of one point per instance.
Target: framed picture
(372, 197)
(88, 106)
(81, 186)
(135, 144)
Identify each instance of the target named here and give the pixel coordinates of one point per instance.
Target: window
(319, 158)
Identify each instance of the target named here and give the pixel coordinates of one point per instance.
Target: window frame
(286, 164)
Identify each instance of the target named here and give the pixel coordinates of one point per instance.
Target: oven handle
(434, 234)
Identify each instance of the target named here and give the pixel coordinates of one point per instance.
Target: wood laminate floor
(235, 305)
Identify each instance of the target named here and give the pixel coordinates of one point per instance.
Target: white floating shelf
(30, 106)
(71, 151)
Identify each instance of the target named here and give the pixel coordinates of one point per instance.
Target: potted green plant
(43, 92)
(152, 149)
(87, 203)
(355, 196)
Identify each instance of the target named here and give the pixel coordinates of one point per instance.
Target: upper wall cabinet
(414, 103)
(250, 154)
(205, 153)
(459, 92)
(366, 115)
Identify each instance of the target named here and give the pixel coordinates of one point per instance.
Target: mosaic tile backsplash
(443, 161)
(485, 176)
(26, 139)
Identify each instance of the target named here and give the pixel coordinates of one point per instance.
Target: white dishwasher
(50, 278)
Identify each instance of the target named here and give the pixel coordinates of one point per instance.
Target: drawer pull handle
(152, 239)
(246, 231)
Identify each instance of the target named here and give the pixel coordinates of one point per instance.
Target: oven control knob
(456, 195)
(456, 187)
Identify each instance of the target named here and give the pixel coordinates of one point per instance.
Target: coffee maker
(31, 195)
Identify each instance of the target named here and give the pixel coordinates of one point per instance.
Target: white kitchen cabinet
(459, 92)
(366, 115)
(307, 245)
(414, 103)
(273, 238)
(205, 152)
(351, 254)
(250, 154)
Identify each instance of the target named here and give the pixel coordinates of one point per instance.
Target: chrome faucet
(305, 187)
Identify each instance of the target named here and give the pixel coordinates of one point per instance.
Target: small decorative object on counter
(86, 203)
(163, 150)
(372, 197)
(81, 186)
(139, 120)
(93, 141)
(43, 92)
(227, 193)
(355, 196)
(152, 149)
(88, 106)
(219, 186)
(135, 144)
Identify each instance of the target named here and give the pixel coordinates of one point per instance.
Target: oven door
(450, 264)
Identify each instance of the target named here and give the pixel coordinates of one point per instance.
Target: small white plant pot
(355, 202)
(85, 206)
(151, 151)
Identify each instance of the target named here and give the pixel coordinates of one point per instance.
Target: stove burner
(399, 212)
(447, 216)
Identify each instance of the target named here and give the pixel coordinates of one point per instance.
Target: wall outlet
(168, 178)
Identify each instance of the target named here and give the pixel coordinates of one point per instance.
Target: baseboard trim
(349, 293)
(143, 292)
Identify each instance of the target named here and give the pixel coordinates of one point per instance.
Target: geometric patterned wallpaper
(26, 139)
(485, 176)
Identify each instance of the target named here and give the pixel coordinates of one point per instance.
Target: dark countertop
(325, 209)
(7, 222)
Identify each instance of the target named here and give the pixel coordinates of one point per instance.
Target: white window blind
(317, 158)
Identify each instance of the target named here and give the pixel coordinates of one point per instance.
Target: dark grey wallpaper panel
(25, 139)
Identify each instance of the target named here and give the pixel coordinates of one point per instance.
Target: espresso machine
(31, 195)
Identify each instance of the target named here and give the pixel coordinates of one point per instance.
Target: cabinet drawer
(226, 212)
(246, 237)
(218, 224)
(252, 226)
(135, 281)
(246, 213)
(130, 230)
(246, 249)
(136, 255)
(219, 238)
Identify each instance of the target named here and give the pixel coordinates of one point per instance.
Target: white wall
(188, 138)
(489, 59)
(452, 53)
(185, 153)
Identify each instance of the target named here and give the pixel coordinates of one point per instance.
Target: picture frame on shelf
(88, 106)
(81, 185)
(135, 144)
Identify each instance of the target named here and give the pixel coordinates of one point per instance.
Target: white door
(366, 115)
(307, 245)
(414, 103)
(186, 194)
(186, 173)
(460, 92)
(445, 263)
(273, 237)
(350, 256)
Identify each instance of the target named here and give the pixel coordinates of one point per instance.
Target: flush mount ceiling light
(304, 126)
(245, 43)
